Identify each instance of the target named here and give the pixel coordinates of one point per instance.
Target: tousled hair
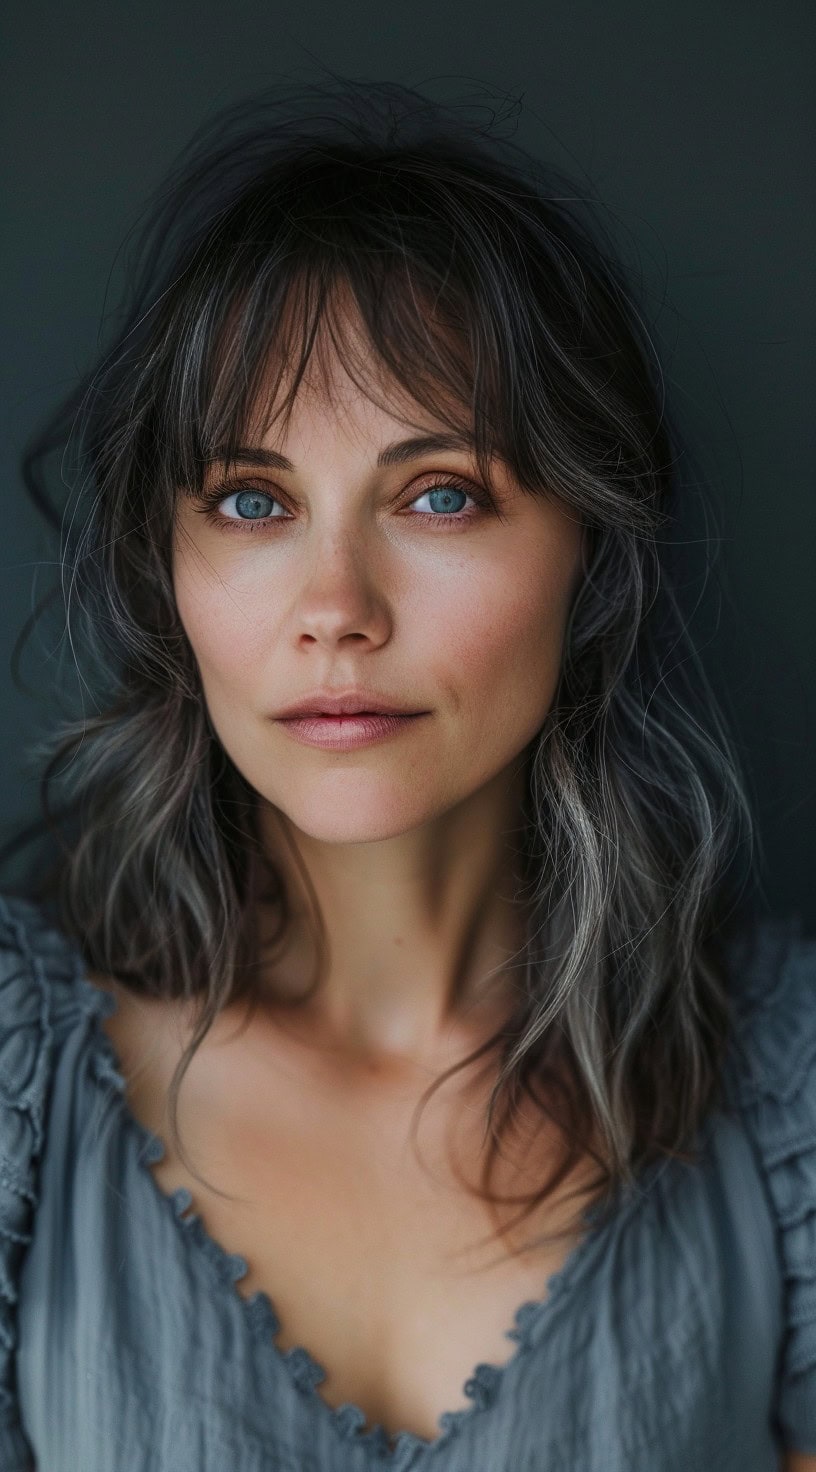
(493, 303)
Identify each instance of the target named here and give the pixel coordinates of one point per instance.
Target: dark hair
(485, 294)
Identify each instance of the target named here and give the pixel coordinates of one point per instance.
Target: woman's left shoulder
(771, 1079)
(771, 966)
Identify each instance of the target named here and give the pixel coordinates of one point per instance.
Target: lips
(347, 732)
(354, 703)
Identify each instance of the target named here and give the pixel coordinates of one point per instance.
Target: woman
(391, 971)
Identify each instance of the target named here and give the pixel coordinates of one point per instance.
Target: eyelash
(210, 500)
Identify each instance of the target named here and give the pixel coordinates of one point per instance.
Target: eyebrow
(396, 454)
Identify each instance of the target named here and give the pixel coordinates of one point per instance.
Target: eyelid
(221, 489)
(486, 502)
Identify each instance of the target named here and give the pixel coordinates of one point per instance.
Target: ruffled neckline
(482, 1386)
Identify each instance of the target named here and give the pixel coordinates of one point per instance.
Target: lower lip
(345, 733)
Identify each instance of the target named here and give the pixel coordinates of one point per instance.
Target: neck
(419, 929)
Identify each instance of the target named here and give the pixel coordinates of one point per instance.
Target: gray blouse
(680, 1335)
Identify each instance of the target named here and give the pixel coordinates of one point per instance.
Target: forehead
(323, 368)
(344, 388)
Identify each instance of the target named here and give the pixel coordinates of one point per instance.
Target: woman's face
(329, 575)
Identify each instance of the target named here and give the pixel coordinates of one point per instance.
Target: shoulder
(771, 1079)
(771, 977)
(42, 985)
(41, 994)
(45, 991)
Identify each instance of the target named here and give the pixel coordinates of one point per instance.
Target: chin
(326, 827)
(369, 814)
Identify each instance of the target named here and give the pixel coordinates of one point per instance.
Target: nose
(340, 596)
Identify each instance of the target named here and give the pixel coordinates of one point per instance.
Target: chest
(376, 1257)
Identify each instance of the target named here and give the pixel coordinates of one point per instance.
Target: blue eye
(251, 505)
(254, 507)
(448, 494)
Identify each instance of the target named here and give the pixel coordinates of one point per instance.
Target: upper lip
(353, 702)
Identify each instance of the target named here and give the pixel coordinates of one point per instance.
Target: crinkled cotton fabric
(680, 1335)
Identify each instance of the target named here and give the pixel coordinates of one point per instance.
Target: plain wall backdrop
(692, 120)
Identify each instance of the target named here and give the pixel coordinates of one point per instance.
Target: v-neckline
(305, 1371)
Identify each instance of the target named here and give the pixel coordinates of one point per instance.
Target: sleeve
(778, 1100)
(25, 1047)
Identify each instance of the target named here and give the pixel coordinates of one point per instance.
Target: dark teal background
(693, 120)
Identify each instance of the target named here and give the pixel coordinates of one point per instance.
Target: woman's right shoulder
(44, 991)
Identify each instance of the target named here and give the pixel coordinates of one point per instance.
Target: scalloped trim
(29, 1047)
(793, 1190)
(482, 1386)
(29, 1044)
(772, 1077)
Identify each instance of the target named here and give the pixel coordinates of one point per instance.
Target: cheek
(227, 620)
(497, 632)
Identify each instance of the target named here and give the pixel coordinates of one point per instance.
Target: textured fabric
(680, 1334)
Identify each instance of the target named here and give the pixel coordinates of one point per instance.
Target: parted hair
(490, 291)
